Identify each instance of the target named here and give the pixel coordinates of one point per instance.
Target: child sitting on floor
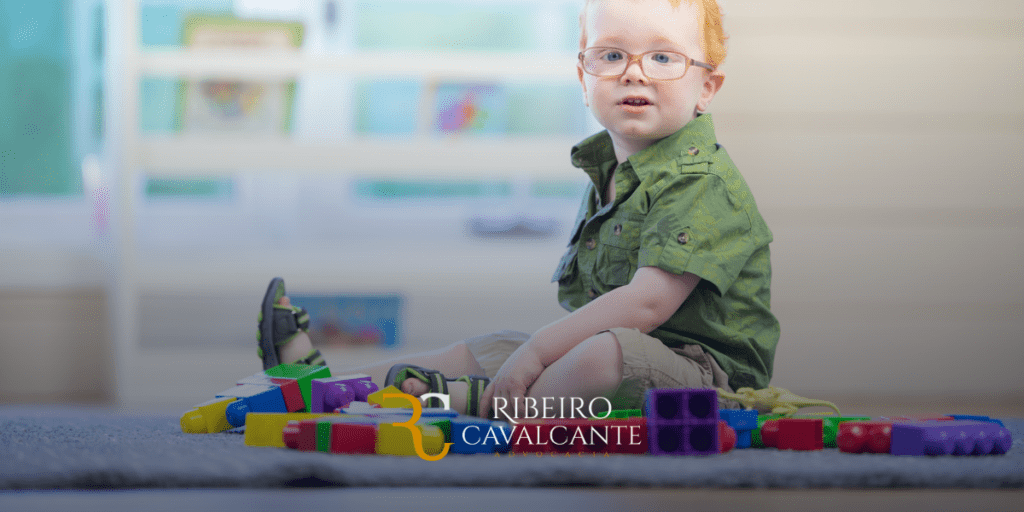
(667, 273)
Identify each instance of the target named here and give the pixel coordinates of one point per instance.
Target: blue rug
(49, 448)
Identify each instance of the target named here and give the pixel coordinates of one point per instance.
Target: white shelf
(290, 64)
(468, 156)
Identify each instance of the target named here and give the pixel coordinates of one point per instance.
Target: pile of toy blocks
(305, 408)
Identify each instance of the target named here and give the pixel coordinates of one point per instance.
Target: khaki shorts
(647, 363)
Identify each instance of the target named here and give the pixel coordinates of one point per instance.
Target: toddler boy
(667, 273)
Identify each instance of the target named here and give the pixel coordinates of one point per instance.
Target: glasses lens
(605, 61)
(664, 65)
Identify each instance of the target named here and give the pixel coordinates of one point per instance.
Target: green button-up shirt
(682, 206)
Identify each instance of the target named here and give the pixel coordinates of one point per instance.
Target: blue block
(743, 439)
(252, 398)
(968, 417)
(739, 419)
(476, 435)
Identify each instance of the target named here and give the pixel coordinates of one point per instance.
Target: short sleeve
(693, 225)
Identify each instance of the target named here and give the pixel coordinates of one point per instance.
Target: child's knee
(601, 358)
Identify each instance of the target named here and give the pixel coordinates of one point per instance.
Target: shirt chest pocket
(619, 243)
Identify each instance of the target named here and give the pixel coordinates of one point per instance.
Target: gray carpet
(48, 448)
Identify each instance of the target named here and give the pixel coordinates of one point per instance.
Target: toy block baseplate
(207, 417)
(953, 437)
(328, 394)
(265, 428)
(303, 374)
(565, 436)
(682, 421)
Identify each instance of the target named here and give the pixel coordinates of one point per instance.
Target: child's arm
(650, 299)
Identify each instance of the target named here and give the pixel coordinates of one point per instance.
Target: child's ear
(712, 84)
(583, 84)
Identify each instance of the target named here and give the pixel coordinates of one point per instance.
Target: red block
(800, 434)
(770, 434)
(353, 438)
(292, 394)
(619, 433)
(300, 435)
(864, 436)
(726, 437)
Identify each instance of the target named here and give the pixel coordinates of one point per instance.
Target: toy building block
(726, 437)
(265, 428)
(682, 421)
(477, 435)
(300, 435)
(830, 427)
(353, 438)
(396, 440)
(207, 417)
(619, 414)
(799, 434)
(756, 440)
(742, 421)
(303, 374)
(864, 436)
(949, 438)
(623, 435)
(252, 398)
(970, 417)
(290, 390)
(377, 398)
(332, 393)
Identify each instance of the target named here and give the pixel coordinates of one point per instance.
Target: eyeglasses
(656, 65)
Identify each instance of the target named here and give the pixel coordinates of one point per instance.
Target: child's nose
(634, 72)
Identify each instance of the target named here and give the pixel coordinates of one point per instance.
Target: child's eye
(612, 56)
(661, 58)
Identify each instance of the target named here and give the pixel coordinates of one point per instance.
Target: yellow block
(377, 398)
(392, 440)
(264, 428)
(207, 417)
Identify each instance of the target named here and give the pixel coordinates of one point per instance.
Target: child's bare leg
(591, 369)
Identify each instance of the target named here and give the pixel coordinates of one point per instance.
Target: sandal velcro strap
(475, 391)
(288, 321)
(434, 380)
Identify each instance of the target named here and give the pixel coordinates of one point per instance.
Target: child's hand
(512, 381)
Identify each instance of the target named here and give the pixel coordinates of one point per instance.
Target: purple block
(682, 421)
(332, 393)
(949, 438)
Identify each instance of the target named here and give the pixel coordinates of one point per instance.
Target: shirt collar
(596, 155)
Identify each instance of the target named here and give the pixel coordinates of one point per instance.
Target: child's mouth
(634, 105)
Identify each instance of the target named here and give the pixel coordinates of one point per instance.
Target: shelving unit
(139, 372)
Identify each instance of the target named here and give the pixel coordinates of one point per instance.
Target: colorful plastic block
(756, 440)
(265, 428)
(726, 437)
(377, 398)
(742, 421)
(682, 421)
(396, 440)
(864, 436)
(252, 398)
(916, 417)
(830, 427)
(207, 417)
(477, 435)
(289, 389)
(969, 417)
(303, 374)
(353, 438)
(949, 438)
(799, 434)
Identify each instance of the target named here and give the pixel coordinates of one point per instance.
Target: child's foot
(282, 334)
(464, 393)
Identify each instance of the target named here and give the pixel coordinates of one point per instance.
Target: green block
(304, 374)
(620, 414)
(446, 428)
(323, 436)
(830, 426)
(755, 435)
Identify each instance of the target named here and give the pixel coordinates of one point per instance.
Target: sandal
(438, 383)
(278, 325)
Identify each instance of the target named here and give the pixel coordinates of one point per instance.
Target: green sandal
(438, 383)
(280, 324)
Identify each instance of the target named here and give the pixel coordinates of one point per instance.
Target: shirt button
(693, 151)
(683, 238)
(591, 243)
(592, 293)
(617, 230)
